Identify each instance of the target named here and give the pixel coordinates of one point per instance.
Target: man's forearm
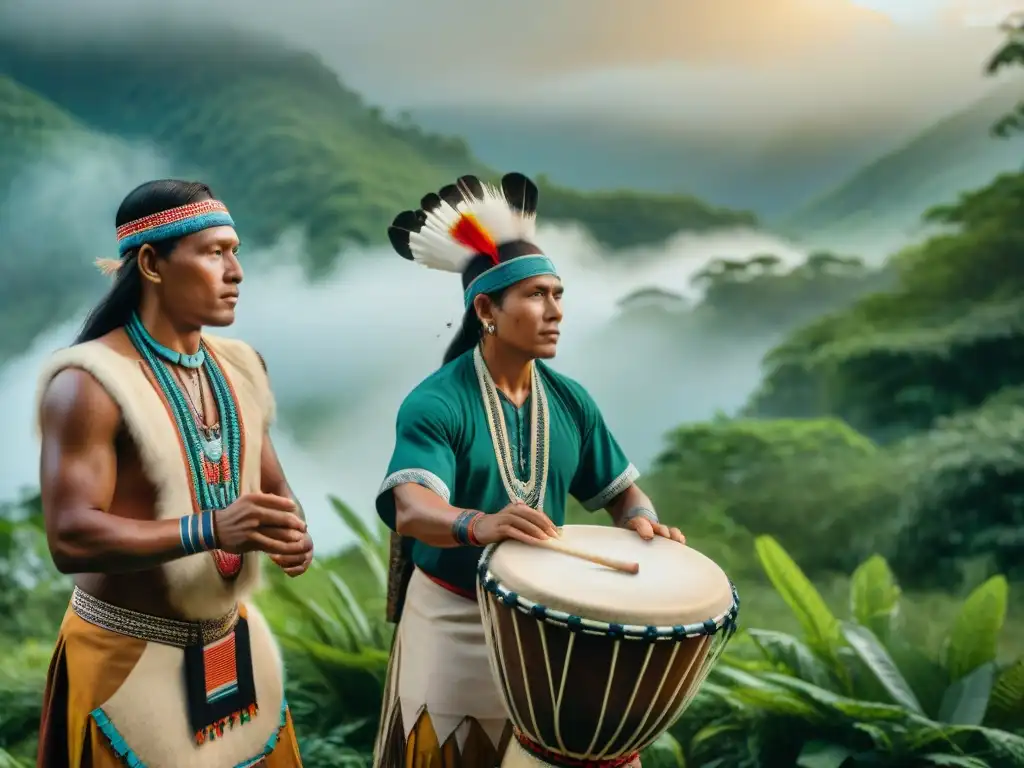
(93, 541)
(629, 504)
(421, 515)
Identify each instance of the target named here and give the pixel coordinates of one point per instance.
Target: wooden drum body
(594, 664)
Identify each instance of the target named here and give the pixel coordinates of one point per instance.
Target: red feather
(468, 232)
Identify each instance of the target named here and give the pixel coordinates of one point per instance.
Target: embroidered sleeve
(604, 471)
(423, 452)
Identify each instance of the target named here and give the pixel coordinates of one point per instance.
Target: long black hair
(115, 309)
(471, 331)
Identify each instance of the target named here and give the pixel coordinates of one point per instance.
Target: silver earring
(491, 329)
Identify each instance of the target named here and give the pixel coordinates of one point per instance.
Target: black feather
(471, 187)
(404, 224)
(430, 202)
(451, 195)
(521, 193)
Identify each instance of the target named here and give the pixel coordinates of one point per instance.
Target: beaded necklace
(530, 492)
(213, 453)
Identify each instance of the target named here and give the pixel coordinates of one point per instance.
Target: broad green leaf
(966, 701)
(1007, 701)
(877, 659)
(708, 735)
(8, 760)
(874, 596)
(776, 702)
(878, 735)
(665, 752)
(954, 761)
(371, 546)
(1004, 745)
(820, 754)
(974, 639)
(792, 654)
(819, 625)
(856, 709)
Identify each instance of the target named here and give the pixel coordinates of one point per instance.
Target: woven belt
(153, 629)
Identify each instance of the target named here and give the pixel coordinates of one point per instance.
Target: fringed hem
(216, 730)
(130, 759)
(271, 744)
(116, 740)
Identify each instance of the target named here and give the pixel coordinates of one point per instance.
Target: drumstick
(607, 562)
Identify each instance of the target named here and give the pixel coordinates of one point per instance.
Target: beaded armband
(644, 512)
(196, 532)
(462, 528)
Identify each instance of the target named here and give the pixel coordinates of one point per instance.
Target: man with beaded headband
(488, 447)
(160, 488)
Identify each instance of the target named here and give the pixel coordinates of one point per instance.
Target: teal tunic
(444, 442)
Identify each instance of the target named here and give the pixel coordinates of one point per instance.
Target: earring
(491, 329)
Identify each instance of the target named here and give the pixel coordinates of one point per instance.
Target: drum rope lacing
(641, 737)
(573, 623)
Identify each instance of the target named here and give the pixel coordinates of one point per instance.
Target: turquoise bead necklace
(214, 456)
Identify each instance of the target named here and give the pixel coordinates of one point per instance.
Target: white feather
(434, 247)
(439, 252)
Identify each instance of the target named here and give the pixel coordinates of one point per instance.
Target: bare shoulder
(76, 406)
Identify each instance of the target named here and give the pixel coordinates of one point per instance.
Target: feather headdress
(479, 231)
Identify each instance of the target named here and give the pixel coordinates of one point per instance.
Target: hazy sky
(689, 63)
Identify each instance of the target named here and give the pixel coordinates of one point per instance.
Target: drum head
(676, 584)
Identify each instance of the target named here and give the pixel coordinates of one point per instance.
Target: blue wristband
(196, 532)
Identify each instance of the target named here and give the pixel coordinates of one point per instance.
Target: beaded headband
(177, 222)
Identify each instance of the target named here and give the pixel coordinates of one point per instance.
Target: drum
(594, 664)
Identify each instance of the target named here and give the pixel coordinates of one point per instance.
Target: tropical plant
(858, 692)
(331, 628)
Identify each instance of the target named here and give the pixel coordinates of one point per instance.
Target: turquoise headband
(177, 222)
(508, 273)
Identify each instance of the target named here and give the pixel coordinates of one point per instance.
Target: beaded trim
(725, 622)
(423, 477)
(532, 491)
(629, 476)
(152, 629)
(129, 758)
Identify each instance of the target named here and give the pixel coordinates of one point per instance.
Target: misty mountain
(274, 131)
(889, 195)
(771, 175)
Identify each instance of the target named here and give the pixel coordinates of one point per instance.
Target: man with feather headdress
(483, 445)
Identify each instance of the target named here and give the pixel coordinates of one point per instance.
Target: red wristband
(471, 528)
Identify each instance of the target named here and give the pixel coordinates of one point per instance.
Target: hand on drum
(649, 530)
(516, 521)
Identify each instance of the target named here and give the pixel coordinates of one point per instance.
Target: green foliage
(945, 338)
(336, 644)
(759, 293)
(32, 593)
(28, 125)
(1011, 53)
(816, 484)
(963, 501)
(22, 679)
(839, 697)
(624, 218)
